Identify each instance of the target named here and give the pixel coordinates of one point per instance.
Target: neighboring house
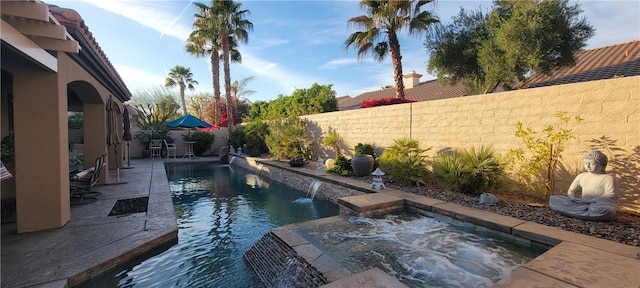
(51, 64)
(620, 60)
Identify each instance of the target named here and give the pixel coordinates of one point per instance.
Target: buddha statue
(593, 195)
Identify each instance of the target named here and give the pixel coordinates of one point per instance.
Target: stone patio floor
(93, 242)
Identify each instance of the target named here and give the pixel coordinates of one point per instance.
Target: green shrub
(332, 140)
(8, 148)
(255, 134)
(145, 136)
(365, 149)
(447, 168)
(288, 138)
(75, 161)
(251, 138)
(535, 166)
(405, 162)
(472, 171)
(237, 137)
(75, 120)
(203, 141)
(342, 166)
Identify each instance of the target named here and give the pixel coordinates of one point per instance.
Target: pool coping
(574, 260)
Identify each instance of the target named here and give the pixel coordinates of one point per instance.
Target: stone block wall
(610, 109)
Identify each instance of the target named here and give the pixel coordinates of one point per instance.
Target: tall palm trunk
(215, 71)
(184, 103)
(396, 59)
(227, 80)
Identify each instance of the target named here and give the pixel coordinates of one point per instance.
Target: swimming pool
(221, 211)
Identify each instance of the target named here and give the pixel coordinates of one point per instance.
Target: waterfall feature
(231, 160)
(313, 188)
(278, 265)
(311, 193)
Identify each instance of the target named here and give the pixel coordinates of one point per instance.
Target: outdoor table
(188, 150)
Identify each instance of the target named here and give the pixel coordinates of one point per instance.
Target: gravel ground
(625, 229)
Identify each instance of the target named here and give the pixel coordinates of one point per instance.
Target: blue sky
(294, 43)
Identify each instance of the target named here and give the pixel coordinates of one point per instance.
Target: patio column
(41, 150)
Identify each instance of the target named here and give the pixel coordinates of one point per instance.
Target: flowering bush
(368, 103)
(224, 119)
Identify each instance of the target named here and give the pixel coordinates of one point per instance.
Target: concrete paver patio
(92, 241)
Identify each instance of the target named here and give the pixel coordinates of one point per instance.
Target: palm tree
(208, 39)
(239, 90)
(381, 24)
(203, 40)
(183, 78)
(231, 25)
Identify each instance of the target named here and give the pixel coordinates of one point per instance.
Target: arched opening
(86, 118)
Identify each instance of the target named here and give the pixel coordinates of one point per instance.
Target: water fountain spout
(313, 189)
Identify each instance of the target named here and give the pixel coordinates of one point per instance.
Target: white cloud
(160, 16)
(336, 63)
(622, 27)
(270, 42)
(136, 78)
(287, 80)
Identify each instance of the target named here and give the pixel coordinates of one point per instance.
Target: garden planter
(362, 165)
(296, 162)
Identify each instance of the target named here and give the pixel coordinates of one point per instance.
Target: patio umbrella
(126, 136)
(113, 135)
(188, 121)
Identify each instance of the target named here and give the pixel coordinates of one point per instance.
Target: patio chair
(155, 146)
(171, 149)
(81, 190)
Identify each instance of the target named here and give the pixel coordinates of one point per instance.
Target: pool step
(370, 204)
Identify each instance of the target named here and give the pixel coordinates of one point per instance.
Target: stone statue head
(600, 159)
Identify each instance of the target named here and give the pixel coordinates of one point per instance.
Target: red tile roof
(104, 72)
(425, 91)
(621, 60)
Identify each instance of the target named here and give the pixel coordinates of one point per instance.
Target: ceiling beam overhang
(57, 44)
(28, 48)
(26, 9)
(33, 19)
(38, 28)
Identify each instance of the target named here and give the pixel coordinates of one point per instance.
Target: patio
(92, 241)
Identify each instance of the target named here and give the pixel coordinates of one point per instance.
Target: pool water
(420, 251)
(221, 211)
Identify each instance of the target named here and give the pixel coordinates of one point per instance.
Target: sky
(294, 44)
